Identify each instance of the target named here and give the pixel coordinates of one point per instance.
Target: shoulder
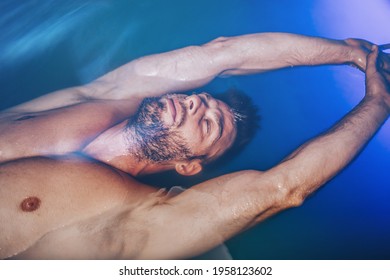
(61, 130)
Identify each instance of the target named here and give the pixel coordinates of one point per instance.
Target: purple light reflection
(368, 20)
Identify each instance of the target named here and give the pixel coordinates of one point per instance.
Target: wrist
(357, 51)
(379, 101)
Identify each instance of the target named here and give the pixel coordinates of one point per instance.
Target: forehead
(229, 130)
(218, 110)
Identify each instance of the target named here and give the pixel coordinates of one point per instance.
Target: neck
(112, 148)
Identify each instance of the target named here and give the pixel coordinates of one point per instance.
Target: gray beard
(149, 139)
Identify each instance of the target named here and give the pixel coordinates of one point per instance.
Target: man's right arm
(216, 210)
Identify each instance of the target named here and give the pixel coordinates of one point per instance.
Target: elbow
(294, 200)
(219, 47)
(299, 190)
(291, 192)
(278, 192)
(302, 174)
(218, 42)
(144, 67)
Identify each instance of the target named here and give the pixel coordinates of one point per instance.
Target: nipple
(30, 204)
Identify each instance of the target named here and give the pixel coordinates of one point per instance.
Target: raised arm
(191, 67)
(194, 66)
(84, 112)
(216, 210)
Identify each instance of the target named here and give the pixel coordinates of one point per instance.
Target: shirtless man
(71, 213)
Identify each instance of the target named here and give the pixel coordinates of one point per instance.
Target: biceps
(153, 75)
(176, 233)
(206, 215)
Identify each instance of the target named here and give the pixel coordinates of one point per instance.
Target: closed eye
(205, 98)
(207, 125)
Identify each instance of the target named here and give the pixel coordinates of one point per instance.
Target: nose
(194, 103)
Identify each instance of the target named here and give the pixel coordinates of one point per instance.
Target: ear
(188, 168)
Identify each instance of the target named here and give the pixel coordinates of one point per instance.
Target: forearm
(267, 51)
(317, 161)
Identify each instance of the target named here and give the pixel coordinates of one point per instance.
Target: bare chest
(38, 196)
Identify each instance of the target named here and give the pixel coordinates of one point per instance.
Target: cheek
(192, 139)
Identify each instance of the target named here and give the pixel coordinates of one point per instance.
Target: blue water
(48, 45)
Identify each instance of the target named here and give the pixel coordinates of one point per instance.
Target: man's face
(177, 126)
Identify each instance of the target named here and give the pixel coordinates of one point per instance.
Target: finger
(384, 47)
(386, 75)
(384, 59)
(387, 78)
(371, 66)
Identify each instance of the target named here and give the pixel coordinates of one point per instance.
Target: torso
(55, 208)
(66, 202)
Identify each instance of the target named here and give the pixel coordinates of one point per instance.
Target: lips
(171, 109)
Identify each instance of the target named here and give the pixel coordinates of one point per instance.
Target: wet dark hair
(246, 117)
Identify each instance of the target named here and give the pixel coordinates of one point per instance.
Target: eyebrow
(219, 121)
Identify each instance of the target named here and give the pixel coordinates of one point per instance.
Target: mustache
(150, 110)
(148, 113)
(149, 138)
